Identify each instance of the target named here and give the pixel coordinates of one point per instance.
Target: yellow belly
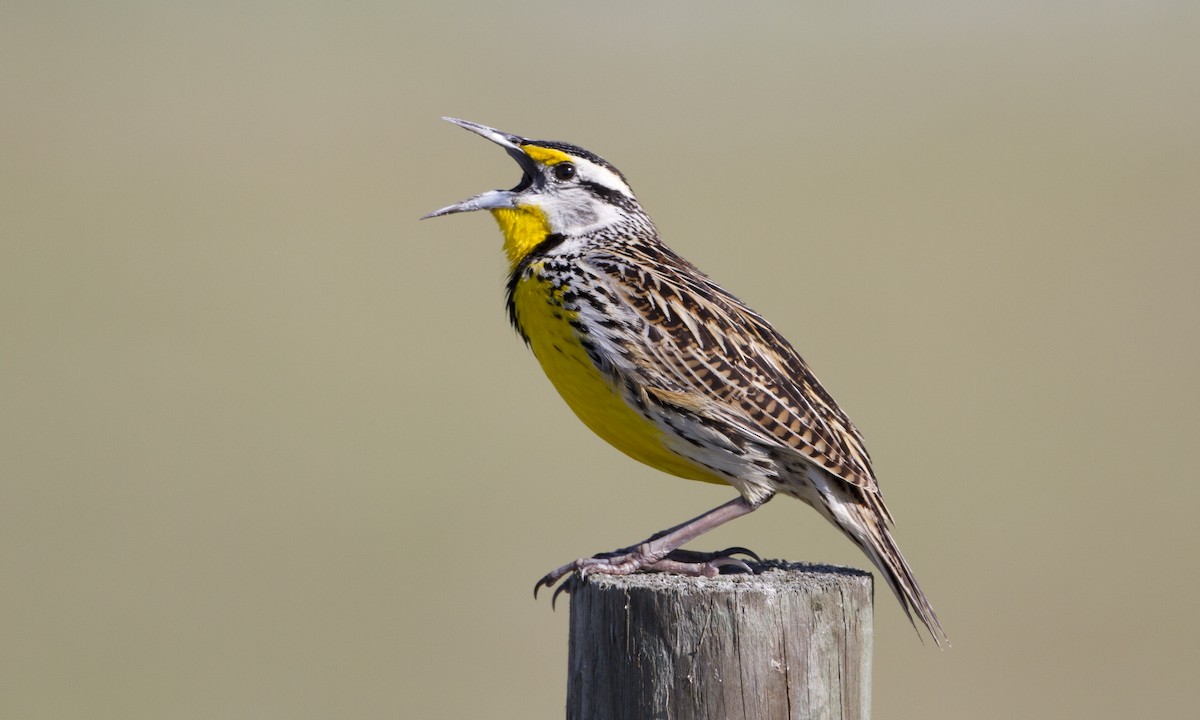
(595, 401)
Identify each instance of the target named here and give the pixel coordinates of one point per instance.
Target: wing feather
(706, 343)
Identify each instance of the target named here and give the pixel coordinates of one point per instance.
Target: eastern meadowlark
(671, 369)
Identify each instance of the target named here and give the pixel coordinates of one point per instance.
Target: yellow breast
(587, 391)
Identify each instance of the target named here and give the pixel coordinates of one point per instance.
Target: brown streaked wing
(704, 340)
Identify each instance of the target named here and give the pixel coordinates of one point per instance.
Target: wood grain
(793, 641)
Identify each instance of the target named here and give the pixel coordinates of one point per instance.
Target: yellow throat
(524, 227)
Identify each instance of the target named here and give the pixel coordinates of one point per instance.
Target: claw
(722, 563)
(631, 560)
(739, 550)
(693, 556)
(563, 588)
(549, 579)
(660, 553)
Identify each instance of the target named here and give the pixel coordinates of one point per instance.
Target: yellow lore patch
(545, 156)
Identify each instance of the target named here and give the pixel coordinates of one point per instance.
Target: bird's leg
(694, 556)
(660, 551)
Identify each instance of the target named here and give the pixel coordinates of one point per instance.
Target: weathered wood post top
(790, 641)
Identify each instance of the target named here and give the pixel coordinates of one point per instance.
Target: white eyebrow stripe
(602, 175)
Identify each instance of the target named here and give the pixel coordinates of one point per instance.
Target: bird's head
(564, 191)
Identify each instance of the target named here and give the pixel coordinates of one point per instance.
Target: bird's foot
(641, 559)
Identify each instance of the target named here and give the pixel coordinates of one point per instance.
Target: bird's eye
(564, 171)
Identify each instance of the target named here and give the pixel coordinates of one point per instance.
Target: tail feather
(861, 515)
(866, 524)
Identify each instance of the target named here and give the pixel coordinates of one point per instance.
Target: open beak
(493, 198)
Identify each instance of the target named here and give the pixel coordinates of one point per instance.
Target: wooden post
(791, 642)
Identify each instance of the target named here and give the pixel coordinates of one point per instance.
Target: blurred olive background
(270, 449)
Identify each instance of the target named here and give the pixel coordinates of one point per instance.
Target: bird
(673, 370)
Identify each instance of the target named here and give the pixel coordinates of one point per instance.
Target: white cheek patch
(579, 212)
(605, 215)
(572, 209)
